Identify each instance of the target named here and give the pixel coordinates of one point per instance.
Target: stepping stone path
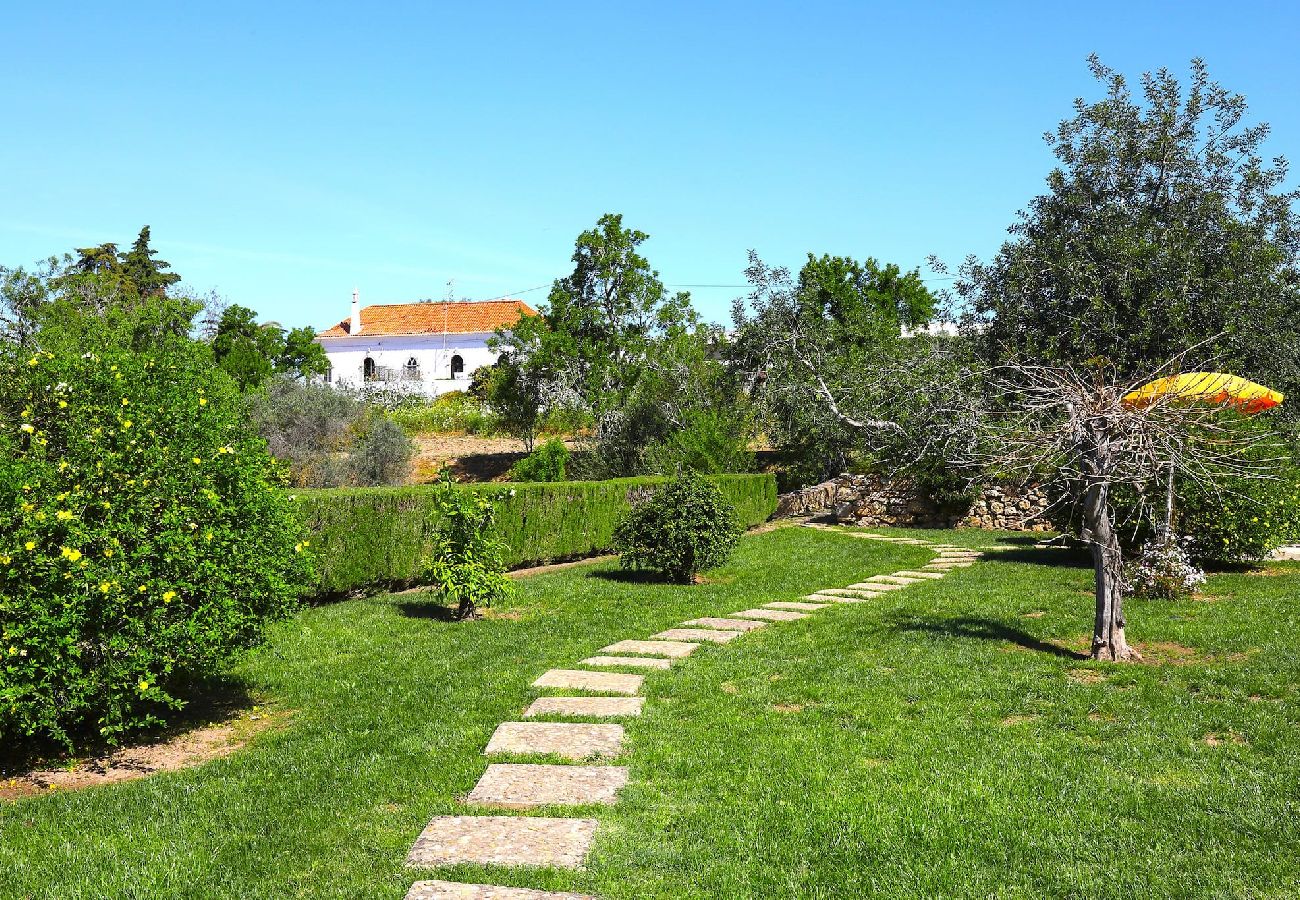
(631, 662)
(526, 840)
(733, 624)
(593, 707)
(503, 841)
(526, 786)
(455, 890)
(698, 634)
(606, 682)
(568, 739)
(674, 649)
(771, 615)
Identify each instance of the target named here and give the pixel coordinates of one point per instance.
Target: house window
(368, 369)
(329, 374)
(412, 368)
(457, 366)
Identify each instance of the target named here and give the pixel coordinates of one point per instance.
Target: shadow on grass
(988, 630)
(630, 576)
(208, 701)
(1060, 557)
(430, 610)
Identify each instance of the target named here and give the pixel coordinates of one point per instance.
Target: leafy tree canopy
(1162, 227)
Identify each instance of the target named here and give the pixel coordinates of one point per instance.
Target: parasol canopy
(1215, 388)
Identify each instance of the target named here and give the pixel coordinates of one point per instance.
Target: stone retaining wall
(873, 501)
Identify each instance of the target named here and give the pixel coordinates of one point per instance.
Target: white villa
(427, 348)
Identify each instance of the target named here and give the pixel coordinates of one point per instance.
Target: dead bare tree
(1073, 425)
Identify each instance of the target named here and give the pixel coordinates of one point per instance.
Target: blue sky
(285, 153)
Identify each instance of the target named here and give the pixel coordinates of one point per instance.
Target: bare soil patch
(1219, 738)
(181, 751)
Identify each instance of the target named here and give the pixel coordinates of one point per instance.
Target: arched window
(457, 366)
(412, 368)
(368, 369)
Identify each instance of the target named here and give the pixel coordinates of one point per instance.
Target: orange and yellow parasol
(1213, 388)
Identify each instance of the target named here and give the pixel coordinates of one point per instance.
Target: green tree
(612, 343)
(300, 356)
(1162, 227)
(147, 276)
(827, 361)
(245, 349)
(251, 353)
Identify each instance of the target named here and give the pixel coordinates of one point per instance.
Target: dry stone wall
(873, 501)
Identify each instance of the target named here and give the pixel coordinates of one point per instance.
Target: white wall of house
(390, 355)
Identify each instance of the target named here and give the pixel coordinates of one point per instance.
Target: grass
(943, 741)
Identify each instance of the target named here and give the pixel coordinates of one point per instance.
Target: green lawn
(937, 743)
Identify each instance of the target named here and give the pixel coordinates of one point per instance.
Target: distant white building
(426, 348)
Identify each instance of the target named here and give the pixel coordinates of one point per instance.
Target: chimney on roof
(356, 311)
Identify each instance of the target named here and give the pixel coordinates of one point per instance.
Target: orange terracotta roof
(434, 318)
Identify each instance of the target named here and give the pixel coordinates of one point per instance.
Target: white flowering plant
(1163, 570)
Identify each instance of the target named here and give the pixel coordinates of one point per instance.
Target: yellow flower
(142, 588)
(27, 427)
(203, 401)
(126, 402)
(105, 587)
(63, 404)
(33, 361)
(30, 545)
(127, 423)
(143, 685)
(197, 461)
(63, 515)
(168, 596)
(4, 559)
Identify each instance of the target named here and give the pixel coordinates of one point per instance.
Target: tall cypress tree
(149, 275)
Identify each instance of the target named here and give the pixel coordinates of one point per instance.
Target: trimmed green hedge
(369, 537)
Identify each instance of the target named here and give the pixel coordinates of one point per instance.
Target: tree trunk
(1108, 640)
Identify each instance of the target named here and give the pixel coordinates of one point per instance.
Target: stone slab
(875, 586)
(832, 598)
(595, 707)
(965, 564)
(572, 740)
(698, 634)
(602, 682)
(458, 890)
(631, 662)
(852, 592)
(674, 649)
(733, 624)
(908, 573)
(891, 579)
(503, 841)
(524, 786)
(772, 615)
(795, 605)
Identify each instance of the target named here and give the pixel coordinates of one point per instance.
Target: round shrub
(685, 527)
(143, 538)
(547, 463)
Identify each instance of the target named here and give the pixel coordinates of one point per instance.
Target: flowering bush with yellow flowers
(143, 537)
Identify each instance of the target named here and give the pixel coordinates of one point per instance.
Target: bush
(1236, 520)
(1244, 519)
(466, 559)
(379, 453)
(452, 413)
(366, 538)
(711, 443)
(329, 437)
(546, 463)
(1163, 570)
(683, 528)
(144, 537)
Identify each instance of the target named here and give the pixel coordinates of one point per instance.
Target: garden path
(586, 780)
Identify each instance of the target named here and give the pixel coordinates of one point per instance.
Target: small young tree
(466, 560)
